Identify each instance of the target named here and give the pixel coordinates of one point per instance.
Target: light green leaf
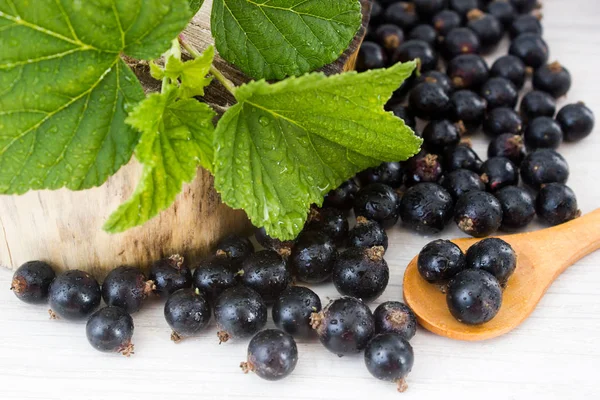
(177, 136)
(192, 73)
(64, 90)
(273, 39)
(285, 145)
(195, 5)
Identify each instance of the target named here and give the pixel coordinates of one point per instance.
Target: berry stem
(402, 386)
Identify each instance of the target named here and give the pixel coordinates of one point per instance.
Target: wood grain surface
(554, 354)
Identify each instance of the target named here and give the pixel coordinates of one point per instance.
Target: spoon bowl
(541, 257)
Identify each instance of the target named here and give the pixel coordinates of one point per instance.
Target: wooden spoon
(541, 257)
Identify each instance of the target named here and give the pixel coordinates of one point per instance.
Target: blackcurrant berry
(576, 121)
(462, 7)
(401, 14)
(292, 310)
(240, 312)
(400, 94)
(389, 36)
(440, 134)
(361, 273)
(213, 275)
(446, 20)
(526, 23)
(460, 41)
(344, 326)
(436, 77)
(367, 233)
(478, 214)
(553, 79)
(313, 256)
(518, 207)
(531, 49)
(31, 282)
(502, 120)
(110, 330)
(495, 256)
(440, 260)
(487, 28)
(74, 295)
(508, 145)
(429, 101)
(426, 208)
(272, 355)
(376, 13)
(544, 166)
(468, 71)
(266, 272)
(474, 296)
(388, 173)
(236, 247)
(499, 92)
(503, 11)
(404, 114)
(370, 56)
(187, 312)
(413, 49)
(509, 67)
(469, 108)
(461, 181)
(525, 6)
(126, 287)
(556, 204)
(330, 221)
(537, 104)
(378, 202)
(284, 248)
(390, 357)
(425, 33)
(428, 8)
(461, 156)
(423, 167)
(342, 198)
(498, 172)
(543, 132)
(170, 274)
(395, 317)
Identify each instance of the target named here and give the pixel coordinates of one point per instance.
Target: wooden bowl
(64, 227)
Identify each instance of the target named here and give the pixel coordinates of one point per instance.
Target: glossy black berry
(508, 145)
(518, 207)
(428, 8)
(400, 94)
(537, 104)
(544, 166)
(213, 275)
(170, 274)
(378, 202)
(74, 295)
(469, 108)
(272, 355)
(344, 326)
(389, 36)
(395, 317)
(426, 208)
(445, 21)
(367, 233)
(330, 221)
(511, 68)
(187, 312)
(487, 28)
(503, 11)
(531, 49)
(502, 120)
(468, 71)
(370, 56)
(425, 33)
(423, 167)
(474, 297)
(361, 273)
(478, 214)
(439, 134)
(390, 357)
(31, 282)
(495, 256)
(284, 248)
(499, 92)
(413, 49)
(440, 260)
(404, 114)
(553, 79)
(266, 272)
(110, 330)
(240, 312)
(401, 14)
(436, 77)
(429, 101)
(543, 132)
(388, 173)
(126, 287)
(341, 197)
(292, 310)
(556, 204)
(576, 121)
(461, 156)
(313, 256)
(460, 41)
(526, 23)
(462, 7)
(525, 6)
(236, 247)
(461, 181)
(499, 172)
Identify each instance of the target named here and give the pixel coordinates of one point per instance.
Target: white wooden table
(554, 354)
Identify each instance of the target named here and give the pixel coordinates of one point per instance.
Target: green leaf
(177, 136)
(192, 73)
(273, 39)
(64, 90)
(285, 145)
(195, 5)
